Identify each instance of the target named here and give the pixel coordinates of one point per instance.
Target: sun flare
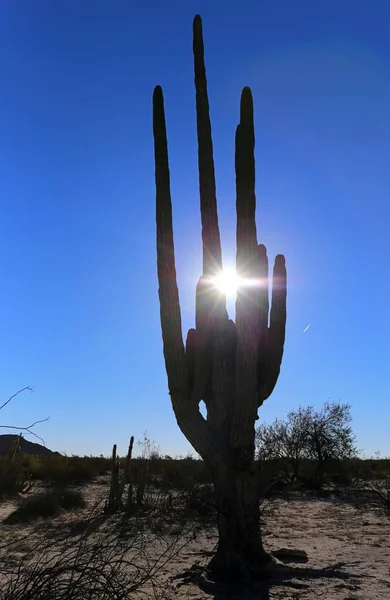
(227, 282)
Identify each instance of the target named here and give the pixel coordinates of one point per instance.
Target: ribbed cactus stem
(114, 497)
(245, 187)
(269, 373)
(126, 470)
(15, 447)
(212, 253)
(187, 414)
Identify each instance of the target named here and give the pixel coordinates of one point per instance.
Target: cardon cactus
(232, 366)
(118, 483)
(114, 499)
(126, 479)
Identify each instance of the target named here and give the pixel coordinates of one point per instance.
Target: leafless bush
(158, 499)
(380, 489)
(267, 509)
(107, 561)
(29, 428)
(373, 494)
(377, 495)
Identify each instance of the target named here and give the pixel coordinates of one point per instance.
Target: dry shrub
(373, 495)
(109, 560)
(62, 470)
(380, 491)
(13, 477)
(47, 505)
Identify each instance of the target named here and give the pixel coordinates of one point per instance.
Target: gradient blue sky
(79, 315)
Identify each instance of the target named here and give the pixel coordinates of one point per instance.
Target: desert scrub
(13, 477)
(47, 505)
(61, 470)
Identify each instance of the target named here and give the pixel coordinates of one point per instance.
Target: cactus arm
(189, 419)
(245, 184)
(211, 314)
(190, 357)
(270, 366)
(212, 253)
(263, 289)
(168, 291)
(248, 266)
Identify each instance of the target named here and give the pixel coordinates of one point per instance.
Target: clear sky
(79, 315)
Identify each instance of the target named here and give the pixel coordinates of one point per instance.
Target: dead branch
(27, 387)
(29, 427)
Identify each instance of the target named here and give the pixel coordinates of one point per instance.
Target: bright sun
(227, 282)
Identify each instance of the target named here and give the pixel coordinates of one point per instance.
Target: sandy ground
(333, 533)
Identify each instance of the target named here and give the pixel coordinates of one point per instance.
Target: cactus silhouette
(232, 366)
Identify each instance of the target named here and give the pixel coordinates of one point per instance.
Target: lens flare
(227, 282)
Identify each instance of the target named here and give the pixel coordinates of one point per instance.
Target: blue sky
(79, 316)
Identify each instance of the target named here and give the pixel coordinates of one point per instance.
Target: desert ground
(348, 549)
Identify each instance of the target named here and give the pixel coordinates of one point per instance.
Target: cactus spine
(232, 366)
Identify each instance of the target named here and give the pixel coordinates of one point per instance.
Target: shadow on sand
(282, 574)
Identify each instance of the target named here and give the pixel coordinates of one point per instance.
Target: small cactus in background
(232, 366)
(126, 472)
(118, 483)
(15, 447)
(114, 499)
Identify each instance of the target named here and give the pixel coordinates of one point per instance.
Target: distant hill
(25, 446)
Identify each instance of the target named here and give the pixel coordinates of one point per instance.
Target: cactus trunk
(232, 366)
(240, 551)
